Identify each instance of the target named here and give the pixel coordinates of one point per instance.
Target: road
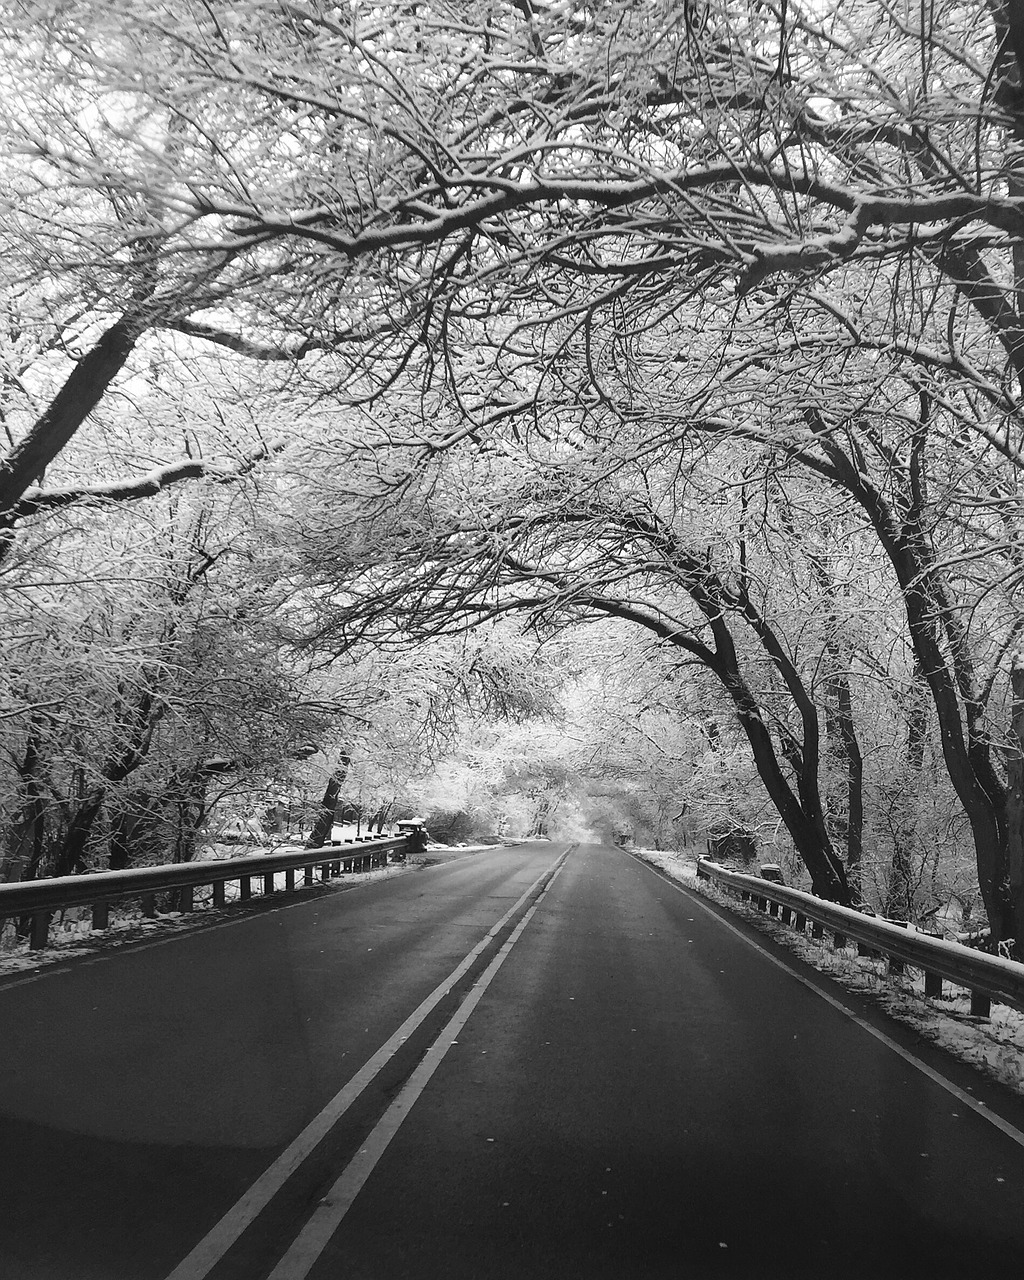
(536, 1062)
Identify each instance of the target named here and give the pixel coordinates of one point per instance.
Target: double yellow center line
(316, 1233)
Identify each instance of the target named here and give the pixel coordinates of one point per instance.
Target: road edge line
(979, 1108)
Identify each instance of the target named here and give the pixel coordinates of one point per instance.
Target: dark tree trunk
(1015, 804)
(967, 762)
(28, 831)
(324, 823)
(134, 836)
(899, 893)
(899, 883)
(828, 879)
(189, 800)
(846, 731)
(137, 720)
(122, 840)
(189, 816)
(943, 660)
(378, 820)
(83, 390)
(801, 811)
(70, 858)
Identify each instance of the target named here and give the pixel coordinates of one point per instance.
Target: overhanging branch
(134, 488)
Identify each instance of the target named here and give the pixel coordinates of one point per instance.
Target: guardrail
(39, 899)
(986, 977)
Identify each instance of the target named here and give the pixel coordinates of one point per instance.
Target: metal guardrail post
(40, 930)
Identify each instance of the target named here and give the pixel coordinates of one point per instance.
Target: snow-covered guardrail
(39, 899)
(986, 977)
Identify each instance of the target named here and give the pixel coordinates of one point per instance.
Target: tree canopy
(387, 323)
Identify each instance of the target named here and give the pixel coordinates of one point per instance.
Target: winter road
(531, 1063)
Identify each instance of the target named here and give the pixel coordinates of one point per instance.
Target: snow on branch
(133, 488)
(243, 346)
(490, 196)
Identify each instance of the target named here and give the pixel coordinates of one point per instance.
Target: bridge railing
(40, 899)
(986, 977)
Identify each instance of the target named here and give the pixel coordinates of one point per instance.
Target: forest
(547, 418)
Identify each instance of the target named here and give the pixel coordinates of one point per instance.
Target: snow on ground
(993, 1045)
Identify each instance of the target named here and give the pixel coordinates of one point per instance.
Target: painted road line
(315, 1236)
(215, 1244)
(979, 1108)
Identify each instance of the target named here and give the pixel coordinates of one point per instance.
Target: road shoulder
(983, 1057)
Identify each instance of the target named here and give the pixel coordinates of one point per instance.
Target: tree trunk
(931, 625)
(70, 857)
(122, 840)
(122, 831)
(324, 823)
(899, 891)
(899, 882)
(379, 818)
(850, 753)
(967, 764)
(190, 811)
(828, 879)
(801, 811)
(27, 837)
(83, 390)
(137, 720)
(1015, 803)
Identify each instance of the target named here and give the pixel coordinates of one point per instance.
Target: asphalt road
(617, 1082)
